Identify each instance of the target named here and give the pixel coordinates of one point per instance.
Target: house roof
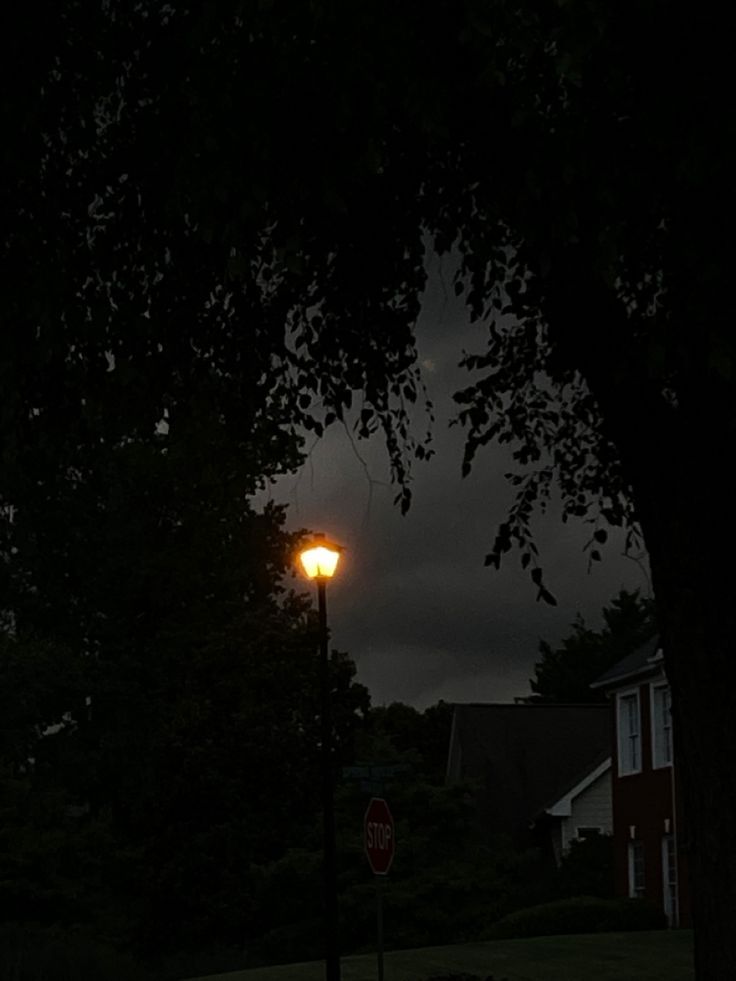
(643, 660)
(561, 804)
(524, 756)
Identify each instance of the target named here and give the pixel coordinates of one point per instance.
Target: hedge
(581, 914)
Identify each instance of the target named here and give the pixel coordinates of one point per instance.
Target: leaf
(601, 535)
(537, 576)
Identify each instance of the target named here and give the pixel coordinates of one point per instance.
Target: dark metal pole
(379, 924)
(332, 956)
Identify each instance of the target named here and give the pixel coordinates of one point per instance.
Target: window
(669, 879)
(629, 734)
(636, 870)
(661, 726)
(588, 832)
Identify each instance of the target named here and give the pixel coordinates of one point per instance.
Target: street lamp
(319, 560)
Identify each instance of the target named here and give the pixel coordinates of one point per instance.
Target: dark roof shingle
(523, 756)
(628, 667)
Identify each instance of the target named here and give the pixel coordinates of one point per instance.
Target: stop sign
(378, 836)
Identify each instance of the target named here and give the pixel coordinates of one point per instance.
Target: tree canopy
(274, 245)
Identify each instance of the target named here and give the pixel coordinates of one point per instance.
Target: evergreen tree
(565, 673)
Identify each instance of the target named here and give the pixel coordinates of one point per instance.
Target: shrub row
(581, 914)
(36, 953)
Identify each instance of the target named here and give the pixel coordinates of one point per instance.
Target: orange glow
(319, 559)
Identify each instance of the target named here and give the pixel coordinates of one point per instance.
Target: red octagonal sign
(378, 836)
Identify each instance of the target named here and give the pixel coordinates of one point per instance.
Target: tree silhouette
(565, 673)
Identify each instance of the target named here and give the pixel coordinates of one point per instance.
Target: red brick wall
(644, 801)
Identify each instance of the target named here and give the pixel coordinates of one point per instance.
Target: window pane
(662, 717)
(588, 832)
(636, 869)
(633, 721)
(628, 728)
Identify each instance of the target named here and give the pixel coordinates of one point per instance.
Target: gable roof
(524, 756)
(561, 806)
(643, 660)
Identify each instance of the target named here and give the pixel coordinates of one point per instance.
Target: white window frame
(670, 887)
(659, 739)
(634, 892)
(623, 740)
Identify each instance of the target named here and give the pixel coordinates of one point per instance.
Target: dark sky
(412, 602)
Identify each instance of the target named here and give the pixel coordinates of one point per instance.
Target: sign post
(379, 925)
(379, 840)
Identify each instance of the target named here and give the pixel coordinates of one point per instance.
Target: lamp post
(319, 561)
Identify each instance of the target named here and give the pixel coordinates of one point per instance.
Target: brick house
(648, 831)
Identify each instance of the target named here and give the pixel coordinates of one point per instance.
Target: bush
(31, 953)
(464, 977)
(581, 914)
(587, 868)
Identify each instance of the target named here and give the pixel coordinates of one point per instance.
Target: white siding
(590, 809)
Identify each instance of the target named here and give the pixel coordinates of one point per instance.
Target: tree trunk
(680, 474)
(705, 727)
(676, 457)
(694, 586)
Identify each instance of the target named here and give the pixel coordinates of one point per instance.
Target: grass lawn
(647, 956)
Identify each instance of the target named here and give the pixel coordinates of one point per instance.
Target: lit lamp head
(319, 558)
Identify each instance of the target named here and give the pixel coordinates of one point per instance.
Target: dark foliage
(464, 976)
(565, 673)
(401, 732)
(587, 869)
(581, 914)
(161, 737)
(30, 953)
